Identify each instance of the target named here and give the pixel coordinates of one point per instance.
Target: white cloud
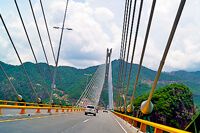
(183, 53)
(96, 26)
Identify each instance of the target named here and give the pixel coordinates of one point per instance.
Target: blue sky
(96, 26)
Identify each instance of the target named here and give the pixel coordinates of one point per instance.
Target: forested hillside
(173, 106)
(71, 81)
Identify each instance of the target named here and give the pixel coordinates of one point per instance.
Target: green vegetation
(190, 79)
(173, 105)
(72, 81)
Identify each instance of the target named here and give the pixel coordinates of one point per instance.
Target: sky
(97, 25)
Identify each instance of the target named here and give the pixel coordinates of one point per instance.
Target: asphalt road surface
(75, 122)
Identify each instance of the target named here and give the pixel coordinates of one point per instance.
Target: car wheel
(85, 113)
(94, 114)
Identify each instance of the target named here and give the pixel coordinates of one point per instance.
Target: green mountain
(190, 79)
(72, 81)
(173, 106)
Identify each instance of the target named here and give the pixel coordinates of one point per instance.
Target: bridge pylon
(108, 78)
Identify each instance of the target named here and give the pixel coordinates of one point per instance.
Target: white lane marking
(86, 120)
(120, 125)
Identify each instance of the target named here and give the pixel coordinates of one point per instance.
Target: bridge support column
(0, 111)
(38, 111)
(156, 130)
(23, 111)
(49, 111)
(130, 121)
(143, 127)
(135, 123)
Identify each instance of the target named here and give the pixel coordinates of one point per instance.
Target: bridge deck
(75, 122)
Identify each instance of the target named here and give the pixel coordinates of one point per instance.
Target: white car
(90, 109)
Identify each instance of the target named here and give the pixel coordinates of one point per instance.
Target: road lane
(75, 122)
(102, 123)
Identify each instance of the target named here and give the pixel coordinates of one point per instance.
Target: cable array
(30, 44)
(40, 38)
(18, 56)
(92, 92)
(52, 75)
(58, 54)
(146, 106)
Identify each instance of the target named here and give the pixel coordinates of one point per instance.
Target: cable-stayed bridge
(91, 94)
(51, 117)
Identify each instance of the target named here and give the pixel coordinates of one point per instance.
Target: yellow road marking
(23, 119)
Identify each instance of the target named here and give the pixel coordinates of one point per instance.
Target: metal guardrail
(6, 102)
(158, 128)
(25, 105)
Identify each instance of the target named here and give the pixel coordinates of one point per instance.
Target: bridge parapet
(142, 124)
(38, 107)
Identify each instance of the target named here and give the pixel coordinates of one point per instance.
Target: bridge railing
(142, 124)
(5, 102)
(38, 107)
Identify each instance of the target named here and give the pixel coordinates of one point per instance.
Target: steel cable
(11, 84)
(125, 41)
(25, 72)
(144, 48)
(60, 42)
(120, 59)
(125, 13)
(134, 45)
(27, 36)
(162, 62)
(40, 38)
(49, 37)
(130, 36)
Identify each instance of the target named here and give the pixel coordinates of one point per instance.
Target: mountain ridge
(72, 80)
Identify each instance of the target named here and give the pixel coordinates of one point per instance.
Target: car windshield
(91, 107)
